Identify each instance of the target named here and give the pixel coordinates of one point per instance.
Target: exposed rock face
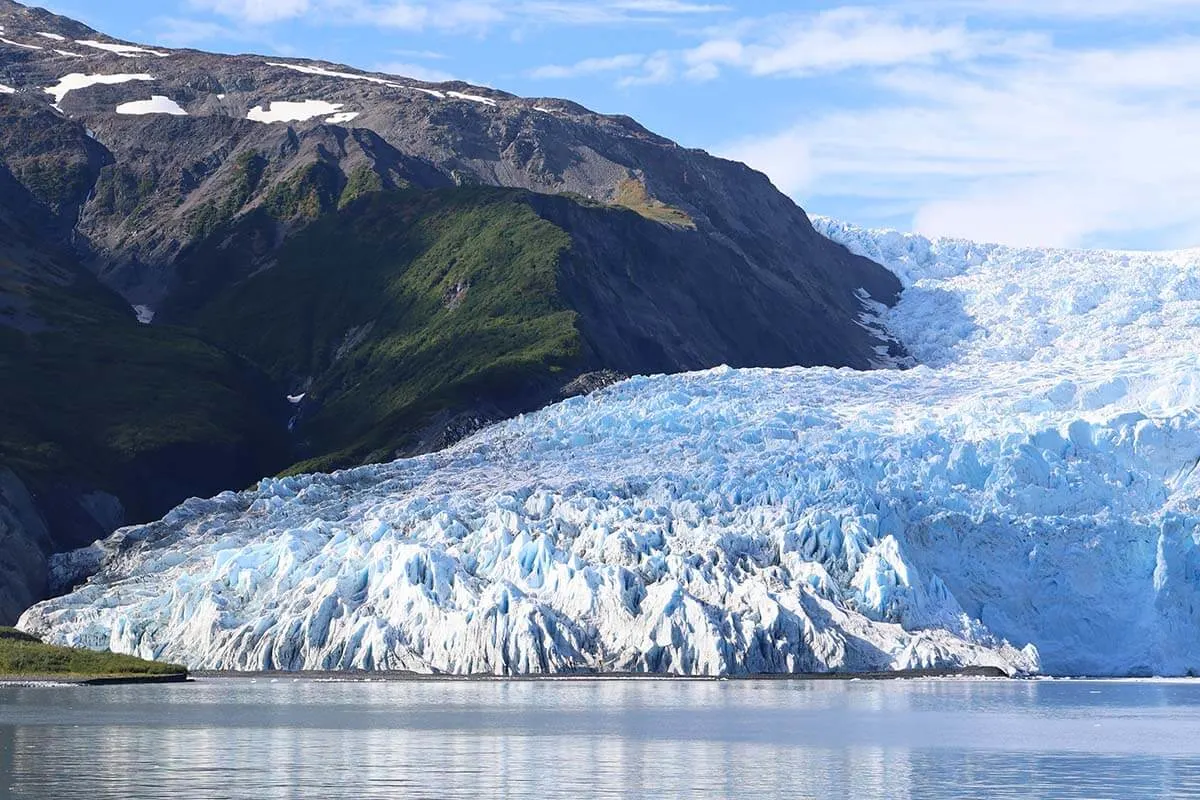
(24, 548)
(164, 180)
(509, 247)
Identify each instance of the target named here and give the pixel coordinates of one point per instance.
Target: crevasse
(1024, 496)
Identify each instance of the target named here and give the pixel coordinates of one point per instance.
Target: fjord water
(286, 738)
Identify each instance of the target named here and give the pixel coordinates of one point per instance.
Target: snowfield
(472, 98)
(69, 83)
(157, 104)
(123, 50)
(291, 111)
(1025, 497)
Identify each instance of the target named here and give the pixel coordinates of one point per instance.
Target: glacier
(1021, 493)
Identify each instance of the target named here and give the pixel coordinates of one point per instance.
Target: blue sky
(1056, 122)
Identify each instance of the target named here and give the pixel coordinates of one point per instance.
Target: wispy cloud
(420, 72)
(455, 14)
(184, 32)
(255, 12)
(590, 66)
(421, 55)
(1134, 11)
(1060, 147)
(830, 41)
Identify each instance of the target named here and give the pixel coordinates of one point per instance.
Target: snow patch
(289, 111)
(145, 314)
(328, 73)
(69, 54)
(430, 92)
(474, 98)
(74, 81)
(18, 44)
(345, 116)
(296, 399)
(56, 37)
(7, 89)
(124, 50)
(157, 104)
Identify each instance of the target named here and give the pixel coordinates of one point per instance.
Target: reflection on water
(903, 739)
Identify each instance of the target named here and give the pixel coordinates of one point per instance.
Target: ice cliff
(1024, 496)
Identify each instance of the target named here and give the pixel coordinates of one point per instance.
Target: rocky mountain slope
(1027, 497)
(332, 267)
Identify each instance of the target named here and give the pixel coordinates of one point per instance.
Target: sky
(1071, 123)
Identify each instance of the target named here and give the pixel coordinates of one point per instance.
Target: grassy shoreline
(27, 659)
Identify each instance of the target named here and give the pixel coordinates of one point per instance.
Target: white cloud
(418, 72)
(667, 7)
(1060, 148)
(456, 14)
(423, 55)
(830, 41)
(1136, 10)
(589, 66)
(835, 40)
(256, 11)
(176, 32)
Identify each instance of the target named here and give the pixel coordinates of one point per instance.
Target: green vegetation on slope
(27, 656)
(249, 167)
(399, 306)
(88, 393)
(632, 194)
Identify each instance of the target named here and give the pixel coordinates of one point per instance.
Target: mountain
(1025, 497)
(224, 267)
(97, 407)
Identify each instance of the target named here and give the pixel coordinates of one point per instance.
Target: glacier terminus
(1021, 492)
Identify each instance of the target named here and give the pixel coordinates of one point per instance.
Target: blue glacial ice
(1022, 494)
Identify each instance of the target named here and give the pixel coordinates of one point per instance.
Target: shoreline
(364, 676)
(83, 680)
(384, 676)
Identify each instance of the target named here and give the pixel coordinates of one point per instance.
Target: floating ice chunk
(124, 50)
(296, 399)
(343, 117)
(74, 81)
(474, 98)
(145, 314)
(157, 104)
(291, 111)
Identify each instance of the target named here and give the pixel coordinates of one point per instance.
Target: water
(548, 739)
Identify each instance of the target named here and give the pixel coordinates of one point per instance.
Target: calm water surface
(234, 738)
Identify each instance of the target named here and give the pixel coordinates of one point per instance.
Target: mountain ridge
(510, 252)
